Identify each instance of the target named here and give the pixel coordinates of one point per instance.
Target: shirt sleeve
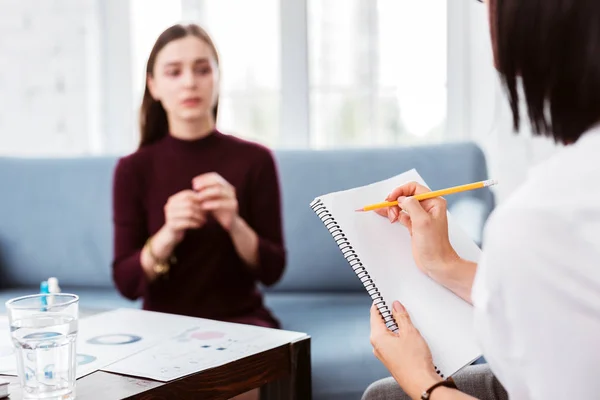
(537, 306)
(265, 219)
(129, 231)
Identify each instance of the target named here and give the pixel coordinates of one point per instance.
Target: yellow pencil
(435, 193)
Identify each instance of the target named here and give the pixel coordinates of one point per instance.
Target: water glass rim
(12, 303)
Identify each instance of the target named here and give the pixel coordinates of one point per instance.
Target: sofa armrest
(471, 214)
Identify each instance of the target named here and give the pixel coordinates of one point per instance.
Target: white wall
(44, 70)
(59, 92)
(489, 120)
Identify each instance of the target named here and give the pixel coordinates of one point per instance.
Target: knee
(384, 389)
(373, 392)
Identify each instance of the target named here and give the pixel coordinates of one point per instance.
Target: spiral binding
(354, 261)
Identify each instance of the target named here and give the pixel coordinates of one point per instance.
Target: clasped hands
(210, 193)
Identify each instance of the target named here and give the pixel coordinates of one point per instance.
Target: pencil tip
(359, 209)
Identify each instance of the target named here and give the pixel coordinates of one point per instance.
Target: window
(248, 43)
(149, 18)
(371, 82)
(318, 73)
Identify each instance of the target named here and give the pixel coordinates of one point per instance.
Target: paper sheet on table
(202, 345)
(111, 336)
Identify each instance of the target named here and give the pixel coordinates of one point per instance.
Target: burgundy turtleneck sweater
(209, 279)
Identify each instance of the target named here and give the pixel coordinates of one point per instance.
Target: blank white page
(444, 319)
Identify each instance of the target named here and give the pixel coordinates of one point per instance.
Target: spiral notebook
(381, 256)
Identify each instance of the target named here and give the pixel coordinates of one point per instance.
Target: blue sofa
(55, 220)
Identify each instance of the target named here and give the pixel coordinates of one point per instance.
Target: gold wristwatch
(161, 267)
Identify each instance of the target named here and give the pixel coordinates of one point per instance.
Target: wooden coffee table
(281, 373)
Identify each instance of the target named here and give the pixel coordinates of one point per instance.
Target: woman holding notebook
(536, 289)
(197, 215)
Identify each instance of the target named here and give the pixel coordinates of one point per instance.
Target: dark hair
(553, 48)
(153, 117)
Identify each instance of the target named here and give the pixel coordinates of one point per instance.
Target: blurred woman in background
(197, 213)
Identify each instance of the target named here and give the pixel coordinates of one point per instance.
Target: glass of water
(43, 328)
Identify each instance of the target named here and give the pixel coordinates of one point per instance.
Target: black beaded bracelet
(447, 383)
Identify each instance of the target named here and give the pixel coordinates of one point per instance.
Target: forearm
(245, 241)
(459, 278)
(162, 245)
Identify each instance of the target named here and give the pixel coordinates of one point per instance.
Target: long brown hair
(153, 117)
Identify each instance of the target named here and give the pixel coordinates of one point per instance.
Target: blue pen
(44, 290)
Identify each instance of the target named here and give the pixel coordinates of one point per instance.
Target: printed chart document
(200, 345)
(113, 335)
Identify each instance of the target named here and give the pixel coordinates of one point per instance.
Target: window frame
(295, 85)
(119, 129)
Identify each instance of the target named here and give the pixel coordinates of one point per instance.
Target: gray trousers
(475, 380)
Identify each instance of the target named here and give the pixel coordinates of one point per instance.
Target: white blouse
(537, 288)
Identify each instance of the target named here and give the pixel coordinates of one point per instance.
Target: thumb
(401, 316)
(414, 209)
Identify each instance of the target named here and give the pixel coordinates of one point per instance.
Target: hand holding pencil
(424, 215)
(427, 194)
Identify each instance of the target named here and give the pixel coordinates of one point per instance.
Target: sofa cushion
(343, 364)
(55, 220)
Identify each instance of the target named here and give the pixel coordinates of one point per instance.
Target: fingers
(209, 179)
(184, 205)
(393, 213)
(183, 211)
(203, 181)
(221, 204)
(414, 188)
(382, 211)
(404, 219)
(421, 213)
(401, 316)
(408, 189)
(194, 212)
(378, 326)
(415, 210)
(215, 191)
(182, 199)
(181, 224)
(434, 205)
(390, 213)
